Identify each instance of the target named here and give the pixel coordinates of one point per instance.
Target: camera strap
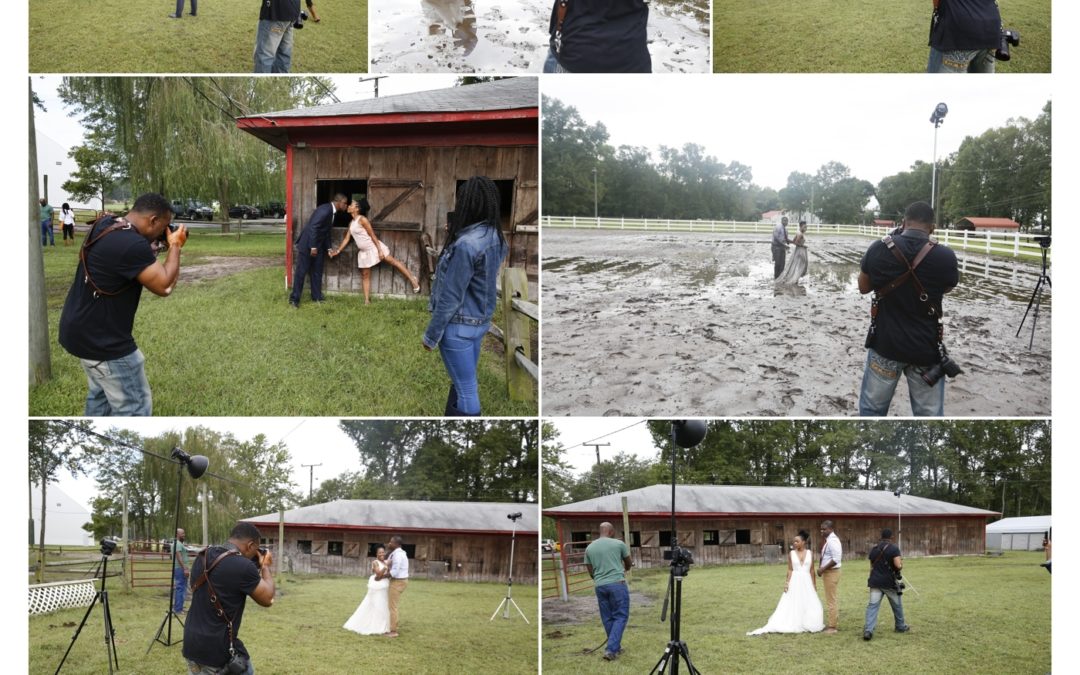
(560, 16)
(205, 579)
(932, 309)
(115, 226)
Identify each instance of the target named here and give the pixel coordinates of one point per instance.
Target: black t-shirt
(882, 574)
(279, 10)
(603, 36)
(206, 636)
(966, 25)
(905, 331)
(99, 328)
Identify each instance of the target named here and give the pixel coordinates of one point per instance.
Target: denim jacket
(464, 286)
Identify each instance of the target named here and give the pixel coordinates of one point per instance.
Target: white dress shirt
(832, 551)
(399, 564)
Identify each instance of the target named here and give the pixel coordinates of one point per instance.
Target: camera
(681, 560)
(1041, 236)
(1008, 37)
(900, 584)
(945, 367)
(237, 664)
(299, 23)
(107, 546)
(514, 516)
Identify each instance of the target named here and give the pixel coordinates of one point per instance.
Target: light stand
(1036, 295)
(196, 466)
(107, 548)
(936, 118)
(684, 434)
(900, 533)
(509, 600)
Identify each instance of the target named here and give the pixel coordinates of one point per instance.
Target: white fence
(61, 595)
(1013, 244)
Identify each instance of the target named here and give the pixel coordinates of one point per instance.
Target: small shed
(974, 224)
(732, 523)
(878, 222)
(1017, 534)
(408, 154)
(465, 541)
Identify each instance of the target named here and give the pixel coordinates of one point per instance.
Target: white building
(64, 518)
(1017, 534)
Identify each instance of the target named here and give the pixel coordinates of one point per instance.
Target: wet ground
(497, 36)
(691, 324)
(207, 268)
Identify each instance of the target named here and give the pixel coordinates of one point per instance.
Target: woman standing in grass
(799, 609)
(463, 295)
(372, 251)
(372, 617)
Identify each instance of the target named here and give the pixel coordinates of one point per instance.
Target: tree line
(1003, 172)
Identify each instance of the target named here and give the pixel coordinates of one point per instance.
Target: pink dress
(368, 256)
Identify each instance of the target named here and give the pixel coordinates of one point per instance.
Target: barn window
(325, 191)
(635, 538)
(665, 538)
(373, 548)
(303, 545)
(710, 537)
(580, 536)
(506, 201)
(742, 536)
(335, 547)
(410, 550)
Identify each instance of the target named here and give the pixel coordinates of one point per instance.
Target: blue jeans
(875, 605)
(117, 387)
(966, 61)
(47, 232)
(180, 7)
(614, 600)
(879, 382)
(273, 47)
(552, 65)
(181, 589)
(460, 350)
(199, 669)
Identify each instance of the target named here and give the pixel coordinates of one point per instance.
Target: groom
(829, 571)
(399, 579)
(779, 244)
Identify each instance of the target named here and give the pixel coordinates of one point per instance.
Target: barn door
(397, 215)
(524, 228)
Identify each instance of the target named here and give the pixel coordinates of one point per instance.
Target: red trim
(288, 214)
(388, 528)
(388, 118)
(558, 515)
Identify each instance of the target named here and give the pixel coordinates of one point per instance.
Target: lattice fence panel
(50, 597)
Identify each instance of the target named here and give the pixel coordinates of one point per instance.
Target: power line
(210, 100)
(328, 90)
(578, 445)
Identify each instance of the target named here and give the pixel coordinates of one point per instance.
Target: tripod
(170, 614)
(1036, 295)
(110, 634)
(676, 649)
(509, 600)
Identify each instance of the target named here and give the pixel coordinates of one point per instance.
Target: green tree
(100, 169)
(898, 191)
(571, 150)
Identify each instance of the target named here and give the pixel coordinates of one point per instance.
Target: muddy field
(496, 36)
(691, 324)
(208, 268)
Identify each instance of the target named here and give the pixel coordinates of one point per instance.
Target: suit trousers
(397, 587)
(831, 578)
(304, 265)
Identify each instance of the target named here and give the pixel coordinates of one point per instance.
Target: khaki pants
(831, 579)
(397, 587)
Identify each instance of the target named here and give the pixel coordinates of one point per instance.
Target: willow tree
(178, 136)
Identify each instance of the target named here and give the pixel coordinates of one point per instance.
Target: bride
(796, 266)
(799, 609)
(372, 617)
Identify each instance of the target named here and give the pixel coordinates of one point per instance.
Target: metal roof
(1004, 223)
(1026, 524)
(509, 94)
(751, 500)
(410, 515)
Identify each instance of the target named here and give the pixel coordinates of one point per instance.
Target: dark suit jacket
(317, 232)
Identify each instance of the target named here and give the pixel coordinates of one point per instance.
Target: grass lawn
(781, 36)
(119, 36)
(232, 346)
(971, 615)
(444, 629)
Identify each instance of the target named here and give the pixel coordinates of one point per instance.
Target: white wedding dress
(372, 617)
(797, 264)
(799, 609)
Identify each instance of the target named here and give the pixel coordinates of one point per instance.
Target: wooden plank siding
(770, 537)
(438, 169)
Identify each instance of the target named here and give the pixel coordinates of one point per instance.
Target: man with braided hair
(463, 295)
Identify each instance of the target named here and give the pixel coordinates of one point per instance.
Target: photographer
(964, 35)
(116, 261)
(909, 275)
(885, 566)
(608, 560)
(274, 38)
(222, 577)
(599, 36)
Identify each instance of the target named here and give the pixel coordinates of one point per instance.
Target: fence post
(125, 541)
(515, 284)
(1016, 245)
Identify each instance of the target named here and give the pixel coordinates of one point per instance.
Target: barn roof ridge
(410, 515)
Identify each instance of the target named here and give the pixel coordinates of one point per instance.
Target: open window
(506, 202)
(351, 188)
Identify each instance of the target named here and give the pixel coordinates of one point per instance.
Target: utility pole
(376, 80)
(597, 446)
(311, 477)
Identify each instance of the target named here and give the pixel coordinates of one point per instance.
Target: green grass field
(232, 346)
(971, 615)
(119, 36)
(444, 629)
(812, 36)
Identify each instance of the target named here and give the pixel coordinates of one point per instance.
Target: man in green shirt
(181, 571)
(608, 560)
(46, 222)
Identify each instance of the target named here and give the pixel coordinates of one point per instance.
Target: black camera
(945, 367)
(107, 546)
(900, 585)
(514, 516)
(237, 664)
(1008, 37)
(681, 560)
(299, 23)
(1041, 236)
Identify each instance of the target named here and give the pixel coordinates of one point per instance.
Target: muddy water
(692, 324)
(466, 36)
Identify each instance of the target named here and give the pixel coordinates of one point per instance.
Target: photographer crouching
(885, 581)
(222, 578)
(909, 275)
(965, 36)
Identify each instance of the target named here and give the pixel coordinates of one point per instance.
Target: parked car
(547, 546)
(189, 209)
(244, 211)
(272, 210)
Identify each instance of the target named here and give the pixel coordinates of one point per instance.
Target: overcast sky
(625, 434)
(876, 125)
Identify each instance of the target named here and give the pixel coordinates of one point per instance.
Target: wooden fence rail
(522, 373)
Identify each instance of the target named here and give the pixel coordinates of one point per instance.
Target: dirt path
(691, 324)
(207, 268)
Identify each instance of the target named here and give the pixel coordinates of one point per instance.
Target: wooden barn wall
(771, 537)
(468, 557)
(439, 168)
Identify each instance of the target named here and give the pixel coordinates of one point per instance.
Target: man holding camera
(312, 245)
(885, 566)
(608, 561)
(964, 35)
(222, 579)
(399, 580)
(909, 275)
(116, 262)
(274, 38)
(599, 36)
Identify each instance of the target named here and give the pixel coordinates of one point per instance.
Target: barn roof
(737, 500)
(1020, 525)
(992, 223)
(409, 516)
